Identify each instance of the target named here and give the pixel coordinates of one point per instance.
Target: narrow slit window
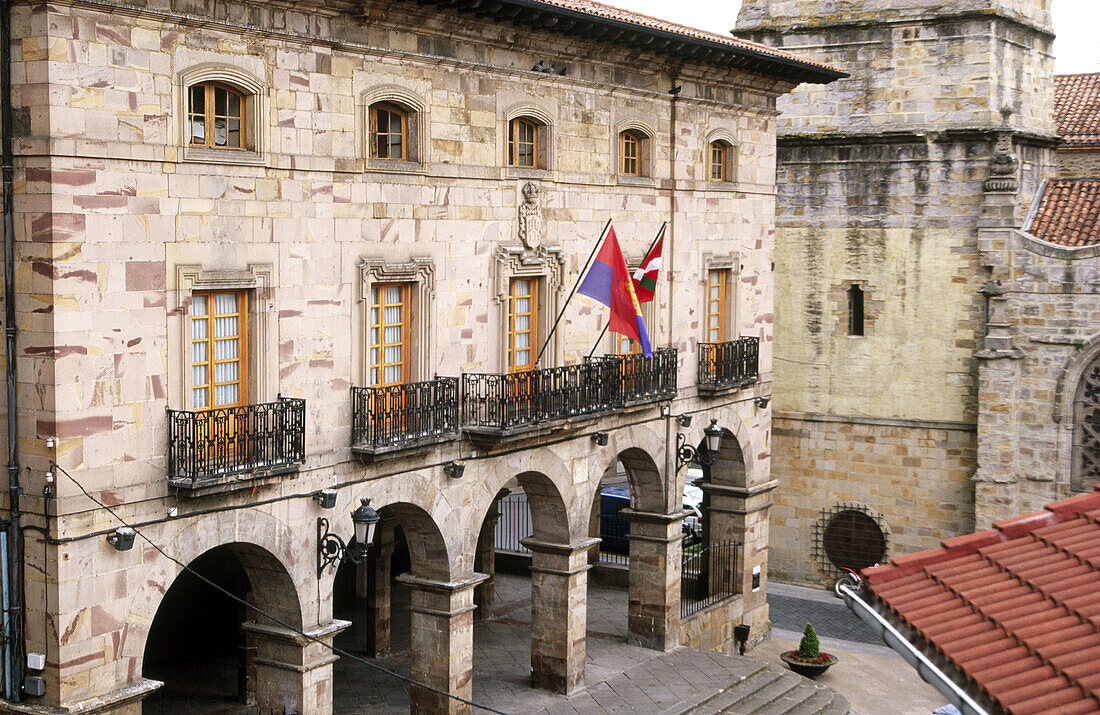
(855, 310)
(630, 154)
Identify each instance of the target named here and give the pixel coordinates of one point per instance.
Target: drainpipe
(13, 588)
(674, 77)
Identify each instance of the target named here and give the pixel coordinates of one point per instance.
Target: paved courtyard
(621, 678)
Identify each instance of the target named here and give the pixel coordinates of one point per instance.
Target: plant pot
(810, 668)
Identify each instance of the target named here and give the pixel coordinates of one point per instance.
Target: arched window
(630, 153)
(721, 160)
(217, 117)
(525, 138)
(1086, 429)
(389, 132)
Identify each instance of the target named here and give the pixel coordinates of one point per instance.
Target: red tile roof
(1016, 609)
(1068, 213)
(1077, 108)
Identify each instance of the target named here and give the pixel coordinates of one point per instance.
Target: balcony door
(389, 356)
(219, 368)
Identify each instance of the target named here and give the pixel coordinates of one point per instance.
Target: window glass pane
(375, 294)
(234, 104)
(523, 357)
(235, 133)
(374, 335)
(393, 334)
(523, 305)
(198, 352)
(374, 376)
(523, 286)
(523, 340)
(225, 327)
(225, 372)
(395, 123)
(225, 303)
(198, 305)
(221, 135)
(393, 373)
(198, 375)
(198, 398)
(198, 131)
(225, 395)
(198, 329)
(393, 354)
(221, 101)
(523, 322)
(374, 356)
(198, 99)
(225, 349)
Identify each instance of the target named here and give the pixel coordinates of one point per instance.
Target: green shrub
(810, 647)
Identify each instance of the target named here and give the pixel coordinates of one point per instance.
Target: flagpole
(603, 332)
(573, 292)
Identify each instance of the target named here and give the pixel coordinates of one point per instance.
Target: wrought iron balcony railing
(521, 399)
(637, 378)
(395, 417)
(726, 365)
(221, 444)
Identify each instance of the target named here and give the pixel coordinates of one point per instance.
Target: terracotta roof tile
(1077, 108)
(1016, 610)
(1068, 213)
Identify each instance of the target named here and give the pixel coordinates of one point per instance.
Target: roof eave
(743, 57)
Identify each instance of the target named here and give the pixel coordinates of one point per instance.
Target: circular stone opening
(854, 540)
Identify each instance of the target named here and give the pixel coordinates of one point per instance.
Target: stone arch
(266, 542)
(1072, 371)
(735, 461)
(1077, 408)
(428, 552)
(643, 467)
(550, 520)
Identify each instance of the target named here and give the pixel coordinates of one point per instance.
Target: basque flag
(645, 278)
(609, 282)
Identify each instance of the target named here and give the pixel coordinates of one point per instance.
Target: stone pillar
(294, 673)
(559, 613)
(442, 642)
(655, 556)
(485, 562)
(375, 580)
(740, 514)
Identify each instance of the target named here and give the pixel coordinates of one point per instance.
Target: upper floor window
(630, 153)
(523, 143)
(389, 132)
(718, 156)
(389, 334)
(523, 318)
(219, 341)
(217, 117)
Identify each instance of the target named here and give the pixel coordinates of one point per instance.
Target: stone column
(442, 641)
(485, 562)
(559, 613)
(294, 673)
(740, 514)
(655, 556)
(375, 578)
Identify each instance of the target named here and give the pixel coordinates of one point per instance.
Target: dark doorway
(196, 645)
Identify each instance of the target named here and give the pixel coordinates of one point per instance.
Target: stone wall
(916, 476)
(881, 180)
(118, 223)
(1081, 163)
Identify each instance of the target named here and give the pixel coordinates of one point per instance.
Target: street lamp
(331, 549)
(712, 440)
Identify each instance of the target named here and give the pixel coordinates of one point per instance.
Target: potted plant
(808, 660)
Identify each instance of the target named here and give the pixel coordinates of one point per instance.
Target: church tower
(886, 180)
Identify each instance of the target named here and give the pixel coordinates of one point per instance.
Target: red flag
(609, 282)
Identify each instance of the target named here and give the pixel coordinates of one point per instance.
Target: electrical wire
(338, 651)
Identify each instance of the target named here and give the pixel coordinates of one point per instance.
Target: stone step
(778, 690)
(773, 690)
(735, 692)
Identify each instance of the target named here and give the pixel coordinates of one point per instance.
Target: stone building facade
(281, 207)
(879, 262)
(1039, 369)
